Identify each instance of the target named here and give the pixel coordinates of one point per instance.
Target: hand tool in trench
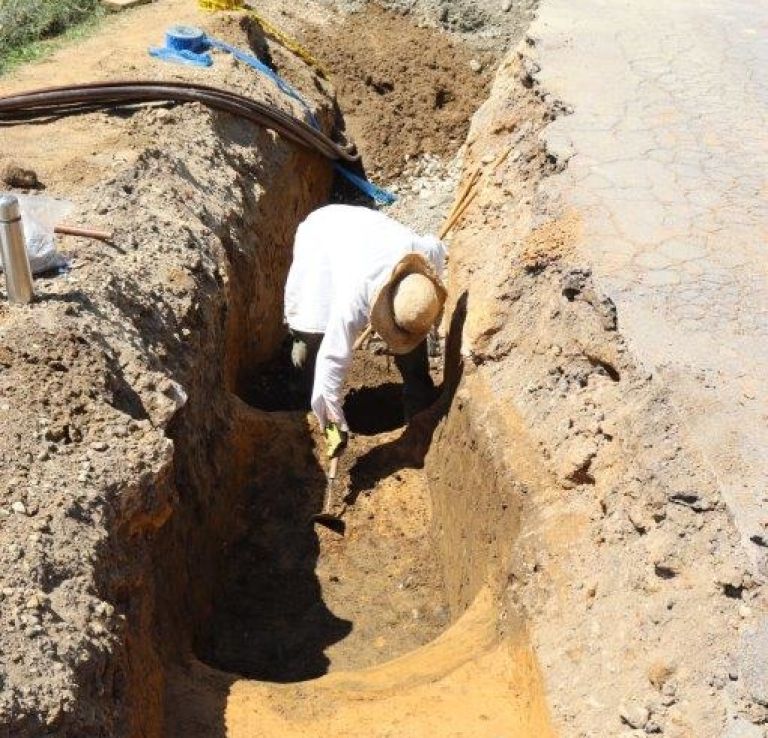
(325, 516)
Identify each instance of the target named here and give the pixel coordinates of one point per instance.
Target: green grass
(31, 29)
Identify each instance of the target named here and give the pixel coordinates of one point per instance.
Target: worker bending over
(353, 266)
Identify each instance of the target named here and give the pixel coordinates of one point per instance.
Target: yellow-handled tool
(325, 516)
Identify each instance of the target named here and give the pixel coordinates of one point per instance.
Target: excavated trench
(270, 626)
(311, 633)
(159, 575)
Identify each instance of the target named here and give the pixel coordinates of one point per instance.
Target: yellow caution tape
(214, 5)
(289, 43)
(271, 30)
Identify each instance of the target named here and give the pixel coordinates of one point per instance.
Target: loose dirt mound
(404, 90)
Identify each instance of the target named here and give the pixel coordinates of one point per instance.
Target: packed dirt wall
(624, 564)
(119, 485)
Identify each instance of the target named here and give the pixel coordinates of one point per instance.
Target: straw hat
(408, 304)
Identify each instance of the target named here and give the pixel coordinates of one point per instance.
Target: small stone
(16, 176)
(669, 689)
(475, 66)
(659, 672)
(97, 628)
(740, 728)
(718, 681)
(19, 508)
(754, 665)
(99, 446)
(441, 613)
(634, 714)
(506, 6)
(103, 610)
(407, 583)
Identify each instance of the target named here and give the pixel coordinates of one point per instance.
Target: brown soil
(122, 430)
(541, 525)
(404, 90)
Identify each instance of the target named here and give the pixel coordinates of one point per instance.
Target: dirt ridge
(624, 541)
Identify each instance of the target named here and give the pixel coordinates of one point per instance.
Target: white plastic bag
(39, 216)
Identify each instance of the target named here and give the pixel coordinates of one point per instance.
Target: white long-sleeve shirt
(342, 255)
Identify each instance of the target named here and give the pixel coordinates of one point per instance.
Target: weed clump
(26, 25)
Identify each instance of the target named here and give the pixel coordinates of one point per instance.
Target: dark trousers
(418, 387)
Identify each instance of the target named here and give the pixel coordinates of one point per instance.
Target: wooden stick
(500, 158)
(363, 337)
(455, 217)
(66, 230)
(459, 201)
(467, 194)
(466, 188)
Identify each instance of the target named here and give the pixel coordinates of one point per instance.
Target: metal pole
(18, 276)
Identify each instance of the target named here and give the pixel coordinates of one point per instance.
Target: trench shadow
(373, 410)
(409, 450)
(270, 621)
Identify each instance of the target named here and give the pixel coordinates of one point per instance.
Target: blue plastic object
(256, 63)
(380, 195)
(181, 56)
(186, 38)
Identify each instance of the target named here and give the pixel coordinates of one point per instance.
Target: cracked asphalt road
(667, 158)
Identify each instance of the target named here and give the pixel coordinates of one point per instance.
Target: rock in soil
(17, 176)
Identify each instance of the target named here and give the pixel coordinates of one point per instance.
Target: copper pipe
(66, 230)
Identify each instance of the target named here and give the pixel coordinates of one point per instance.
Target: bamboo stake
(363, 337)
(456, 217)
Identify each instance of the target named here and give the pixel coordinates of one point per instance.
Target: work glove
(335, 439)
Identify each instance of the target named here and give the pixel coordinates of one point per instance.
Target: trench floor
(300, 600)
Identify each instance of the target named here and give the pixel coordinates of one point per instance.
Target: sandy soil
(405, 91)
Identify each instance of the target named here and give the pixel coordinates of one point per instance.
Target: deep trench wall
(127, 375)
(622, 540)
(478, 493)
(211, 468)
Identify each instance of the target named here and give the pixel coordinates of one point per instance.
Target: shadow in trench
(373, 410)
(269, 620)
(372, 405)
(410, 448)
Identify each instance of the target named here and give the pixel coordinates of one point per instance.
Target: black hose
(75, 99)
